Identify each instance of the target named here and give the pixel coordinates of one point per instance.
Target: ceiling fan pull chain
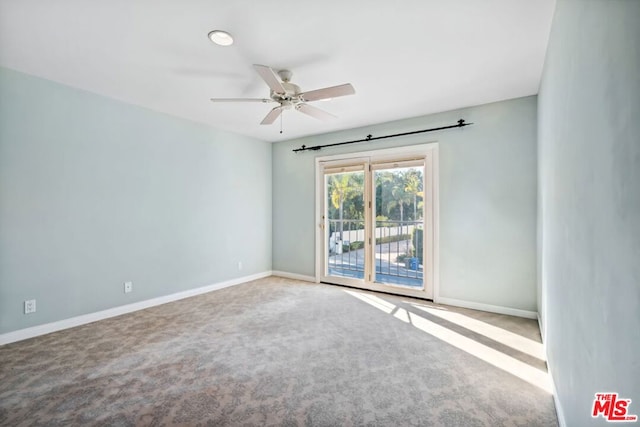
(281, 122)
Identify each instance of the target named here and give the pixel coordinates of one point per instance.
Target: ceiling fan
(289, 95)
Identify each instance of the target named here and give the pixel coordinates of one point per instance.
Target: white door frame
(430, 152)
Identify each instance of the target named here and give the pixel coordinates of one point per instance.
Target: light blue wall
(487, 199)
(589, 181)
(94, 192)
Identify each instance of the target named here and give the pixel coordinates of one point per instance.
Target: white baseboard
(294, 276)
(542, 331)
(59, 325)
(488, 307)
(556, 401)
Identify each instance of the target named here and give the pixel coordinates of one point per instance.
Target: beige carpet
(281, 352)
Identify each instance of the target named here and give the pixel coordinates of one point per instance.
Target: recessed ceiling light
(221, 38)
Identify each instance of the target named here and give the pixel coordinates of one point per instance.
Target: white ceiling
(404, 58)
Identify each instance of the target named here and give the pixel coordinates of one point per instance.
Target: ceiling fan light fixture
(221, 38)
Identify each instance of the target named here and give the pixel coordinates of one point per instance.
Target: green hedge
(354, 246)
(392, 239)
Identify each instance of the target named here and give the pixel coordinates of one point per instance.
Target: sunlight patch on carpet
(494, 357)
(515, 341)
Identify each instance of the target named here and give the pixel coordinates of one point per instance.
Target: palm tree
(399, 195)
(413, 186)
(342, 188)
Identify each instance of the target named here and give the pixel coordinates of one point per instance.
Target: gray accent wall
(95, 192)
(487, 199)
(589, 189)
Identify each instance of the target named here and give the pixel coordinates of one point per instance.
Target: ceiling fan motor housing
(290, 97)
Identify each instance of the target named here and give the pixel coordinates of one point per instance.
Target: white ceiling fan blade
(315, 112)
(272, 116)
(265, 100)
(328, 92)
(270, 78)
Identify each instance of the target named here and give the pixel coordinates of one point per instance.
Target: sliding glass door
(344, 215)
(399, 224)
(377, 222)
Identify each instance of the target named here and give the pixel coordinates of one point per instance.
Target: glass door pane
(345, 224)
(399, 225)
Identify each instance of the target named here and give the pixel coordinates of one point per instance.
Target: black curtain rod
(460, 124)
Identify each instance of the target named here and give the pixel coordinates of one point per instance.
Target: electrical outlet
(29, 306)
(239, 265)
(128, 287)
